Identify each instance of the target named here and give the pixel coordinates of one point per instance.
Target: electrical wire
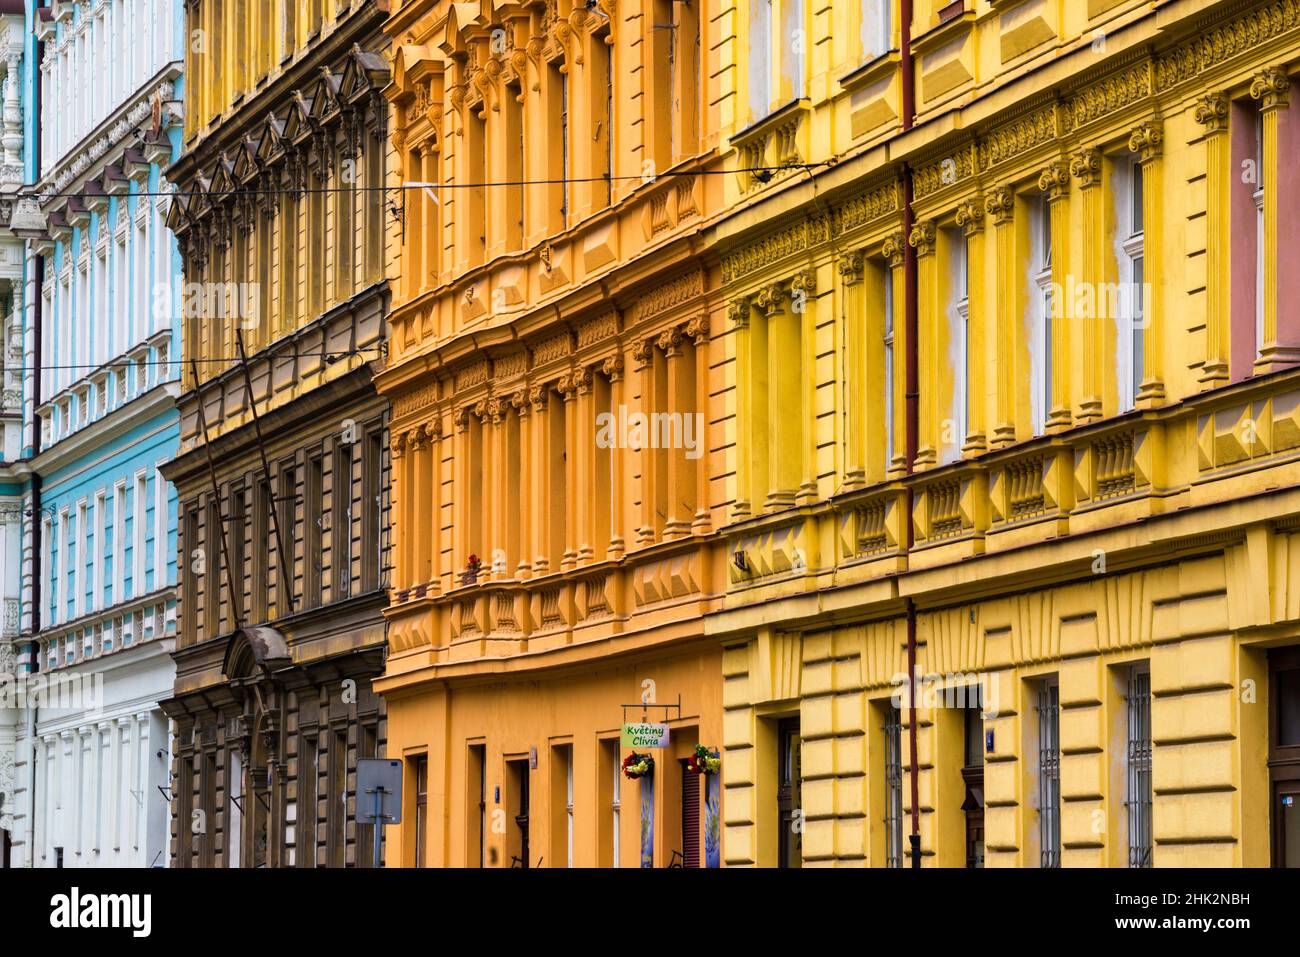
(112, 364)
(45, 197)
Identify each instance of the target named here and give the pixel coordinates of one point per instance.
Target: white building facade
(91, 781)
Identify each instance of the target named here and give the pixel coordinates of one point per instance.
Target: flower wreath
(638, 765)
(704, 761)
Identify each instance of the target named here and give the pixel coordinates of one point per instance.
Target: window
(1258, 197)
(893, 786)
(337, 812)
(1048, 708)
(314, 519)
(476, 786)
(373, 492)
(889, 362)
(972, 774)
(341, 523)
(876, 29)
(614, 772)
(759, 60)
(421, 810)
(1042, 305)
(959, 326)
(1132, 321)
(690, 803)
(1137, 795)
(789, 793)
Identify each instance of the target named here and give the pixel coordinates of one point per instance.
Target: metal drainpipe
(910, 405)
(34, 660)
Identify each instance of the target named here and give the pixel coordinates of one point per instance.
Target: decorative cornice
(922, 237)
(1054, 180)
(1085, 166)
(1272, 87)
(1212, 111)
(1000, 204)
(1146, 140)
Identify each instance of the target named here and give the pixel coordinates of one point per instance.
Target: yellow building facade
(1076, 511)
(986, 310)
(550, 376)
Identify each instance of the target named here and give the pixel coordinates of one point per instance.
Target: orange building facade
(550, 373)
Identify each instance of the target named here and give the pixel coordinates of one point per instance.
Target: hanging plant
(705, 760)
(470, 575)
(638, 765)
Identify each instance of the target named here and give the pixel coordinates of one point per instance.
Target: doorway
(1284, 755)
(517, 848)
(789, 792)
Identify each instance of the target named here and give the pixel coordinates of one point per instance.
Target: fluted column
(540, 411)
(785, 413)
(1272, 88)
(527, 478)
(1146, 141)
(1085, 167)
(856, 375)
(613, 369)
(738, 313)
(922, 239)
(803, 303)
(698, 330)
(1212, 113)
(398, 498)
(680, 481)
(1054, 181)
(568, 388)
(894, 250)
(583, 447)
(970, 218)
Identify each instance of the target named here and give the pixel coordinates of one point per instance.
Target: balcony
(495, 616)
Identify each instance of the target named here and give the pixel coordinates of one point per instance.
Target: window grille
(1049, 775)
(893, 788)
(1137, 803)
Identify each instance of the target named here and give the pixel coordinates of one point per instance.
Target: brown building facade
(283, 462)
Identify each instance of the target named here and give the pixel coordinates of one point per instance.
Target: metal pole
(379, 822)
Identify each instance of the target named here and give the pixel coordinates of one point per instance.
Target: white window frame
(1131, 255)
(876, 28)
(1258, 197)
(888, 340)
(959, 324)
(1040, 277)
(139, 532)
(759, 63)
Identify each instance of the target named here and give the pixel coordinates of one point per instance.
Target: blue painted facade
(100, 300)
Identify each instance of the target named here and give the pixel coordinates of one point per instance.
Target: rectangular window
(313, 519)
(789, 793)
(893, 786)
(1042, 304)
(476, 787)
(337, 812)
(372, 532)
(972, 774)
(341, 523)
(759, 61)
(959, 324)
(889, 363)
(1137, 799)
(1048, 709)
(1132, 299)
(562, 804)
(421, 819)
(1258, 197)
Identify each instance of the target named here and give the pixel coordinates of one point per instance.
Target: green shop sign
(645, 735)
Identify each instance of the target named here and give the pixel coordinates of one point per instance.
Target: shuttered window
(690, 818)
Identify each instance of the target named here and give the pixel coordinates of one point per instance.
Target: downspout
(911, 399)
(34, 659)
